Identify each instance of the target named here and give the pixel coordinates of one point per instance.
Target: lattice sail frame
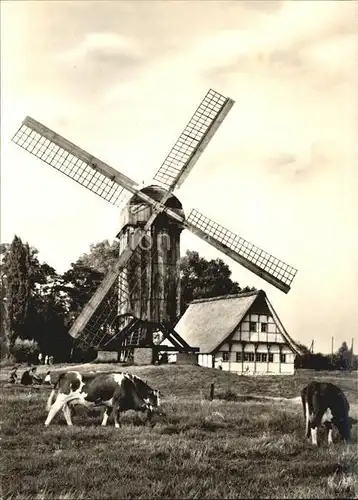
(253, 254)
(105, 322)
(184, 154)
(72, 161)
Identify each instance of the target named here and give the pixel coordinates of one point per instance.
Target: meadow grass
(248, 448)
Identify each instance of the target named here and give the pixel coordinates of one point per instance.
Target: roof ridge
(226, 297)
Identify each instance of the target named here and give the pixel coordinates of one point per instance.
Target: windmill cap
(157, 193)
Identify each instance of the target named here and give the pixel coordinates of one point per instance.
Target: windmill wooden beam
(203, 143)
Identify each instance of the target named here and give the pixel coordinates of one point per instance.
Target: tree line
(39, 305)
(343, 359)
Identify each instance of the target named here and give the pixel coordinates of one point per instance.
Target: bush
(25, 350)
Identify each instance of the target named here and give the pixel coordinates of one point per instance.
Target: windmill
(141, 292)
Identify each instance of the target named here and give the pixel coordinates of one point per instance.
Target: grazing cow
(117, 391)
(325, 403)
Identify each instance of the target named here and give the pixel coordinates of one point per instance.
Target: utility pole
(332, 347)
(311, 348)
(352, 355)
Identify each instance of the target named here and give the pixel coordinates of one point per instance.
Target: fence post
(211, 392)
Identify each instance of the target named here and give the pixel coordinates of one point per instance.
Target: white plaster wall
(244, 335)
(287, 368)
(250, 367)
(272, 334)
(204, 360)
(172, 358)
(274, 348)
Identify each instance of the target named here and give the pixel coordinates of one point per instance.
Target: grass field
(253, 447)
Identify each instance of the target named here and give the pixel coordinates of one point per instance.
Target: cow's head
(344, 428)
(153, 399)
(342, 420)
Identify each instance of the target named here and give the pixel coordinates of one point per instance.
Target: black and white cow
(118, 392)
(325, 403)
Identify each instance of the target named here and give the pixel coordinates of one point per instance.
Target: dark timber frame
(130, 337)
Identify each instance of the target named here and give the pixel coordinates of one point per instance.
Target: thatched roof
(208, 322)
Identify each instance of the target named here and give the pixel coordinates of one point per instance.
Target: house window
(261, 357)
(238, 357)
(249, 356)
(270, 356)
(264, 327)
(283, 358)
(252, 326)
(225, 356)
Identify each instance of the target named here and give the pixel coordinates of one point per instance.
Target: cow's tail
(51, 396)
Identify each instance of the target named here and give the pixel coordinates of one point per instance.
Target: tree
(79, 283)
(344, 355)
(17, 285)
(33, 301)
(201, 278)
(101, 256)
(303, 348)
(4, 318)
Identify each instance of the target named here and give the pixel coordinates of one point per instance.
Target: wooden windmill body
(141, 292)
(150, 283)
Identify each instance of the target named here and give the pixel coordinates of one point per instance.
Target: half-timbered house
(240, 333)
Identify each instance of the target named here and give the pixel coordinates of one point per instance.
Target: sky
(121, 80)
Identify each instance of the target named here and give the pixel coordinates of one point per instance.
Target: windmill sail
(265, 265)
(107, 321)
(193, 140)
(74, 162)
(108, 282)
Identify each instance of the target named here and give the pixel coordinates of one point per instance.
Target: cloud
(105, 44)
(98, 60)
(282, 160)
(319, 38)
(312, 162)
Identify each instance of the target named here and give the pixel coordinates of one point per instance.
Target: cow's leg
(308, 422)
(314, 435)
(106, 416)
(328, 426)
(327, 421)
(61, 400)
(315, 423)
(116, 414)
(67, 413)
